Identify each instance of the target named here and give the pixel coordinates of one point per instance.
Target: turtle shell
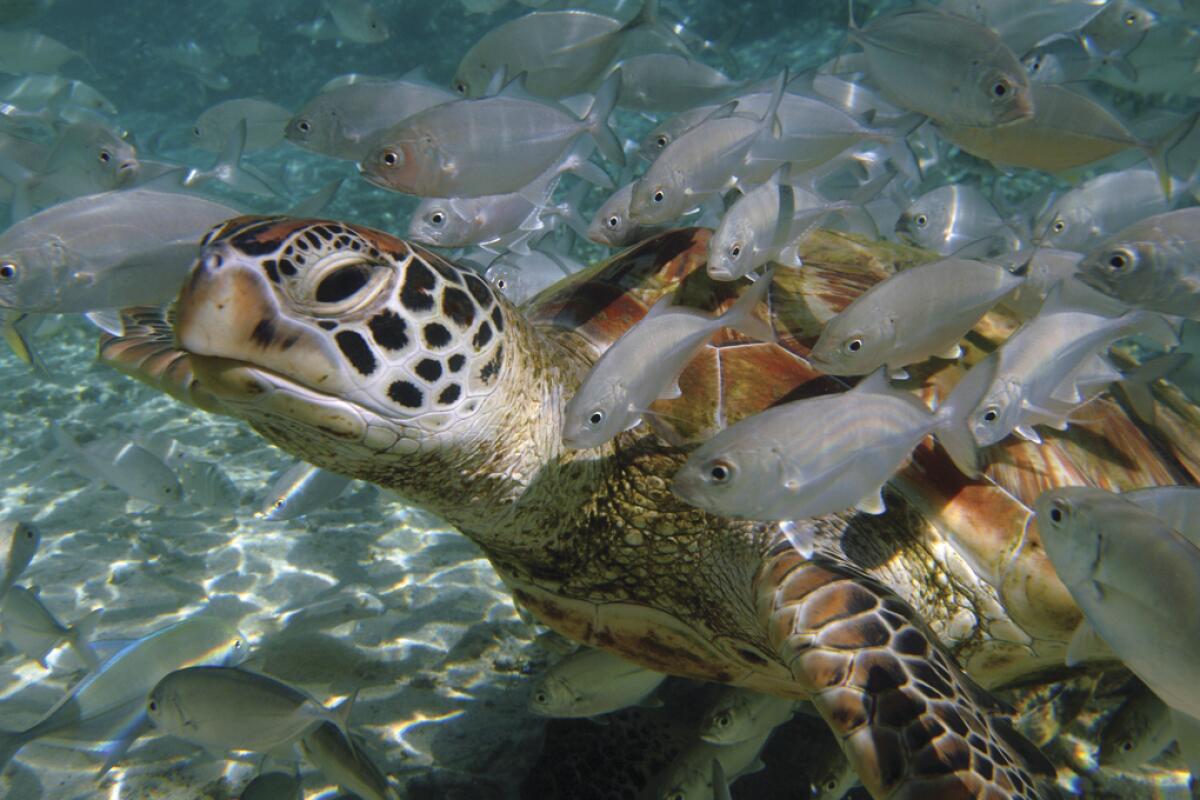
(733, 377)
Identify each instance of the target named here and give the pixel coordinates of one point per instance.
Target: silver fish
(612, 226)
(31, 628)
(104, 251)
(645, 363)
(273, 786)
(123, 465)
(492, 145)
(823, 454)
(22, 52)
(199, 62)
(341, 120)
(206, 484)
(1136, 581)
(318, 615)
(702, 162)
(357, 20)
(561, 52)
(1024, 23)
(670, 82)
(1137, 731)
(226, 708)
(37, 91)
(913, 315)
(301, 489)
(1032, 378)
(690, 775)
(591, 682)
(344, 763)
(948, 67)
(1150, 264)
(22, 543)
(740, 714)
(953, 217)
(522, 277)
(265, 122)
(831, 775)
(112, 698)
(1100, 207)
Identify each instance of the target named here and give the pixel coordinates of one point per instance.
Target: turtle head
(337, 342)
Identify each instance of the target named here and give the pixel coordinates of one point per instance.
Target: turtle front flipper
(910, 721)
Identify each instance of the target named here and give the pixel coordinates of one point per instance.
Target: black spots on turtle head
(492, 368)
(342, 283)
(356, 350)
(447, 272)
(327, 324)
(287, 267)
(271, 270)
(479, 290)
(389, 330)
(498, 319)
(264, 332)
(482, 336)
(436, 335)
(250, 243)
(312, 238)
(406, 394)
(428, 369)
(450, 394)
(417, 292)
(458, 306)
(456, 361)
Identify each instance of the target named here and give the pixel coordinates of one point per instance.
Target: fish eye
(8, 271)
(541, 698)
(614, 221)
(501, 284)
(460, 87)
(662, 140)
(153, 706)
(991, 414)
(105, 156)
(659, 196)
(1119, 260)
(854, 345)
(1058, 512)
(237, 645)
(596, 417)
(1131, 18)
(1059, 226)
(735, 249)
(303, 126)
(921, 220)
(437, 218)
(390, 159)
(1001, 88)
(724, 721)
(196, 130)
(830, 785)
(720, 472)
(1126, 745)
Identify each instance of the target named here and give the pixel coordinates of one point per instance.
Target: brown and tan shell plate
(988, 518)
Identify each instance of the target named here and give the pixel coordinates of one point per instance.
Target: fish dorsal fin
(721, 112)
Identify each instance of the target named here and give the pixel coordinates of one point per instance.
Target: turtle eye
(105, 156)
(8, 271)
(390, 158)
(991, 414)
(854, 345)
(342, 283)
(659, 196)
(613, 222)
(596, 417)
(437, 218)
(720, 472)
(304, 126)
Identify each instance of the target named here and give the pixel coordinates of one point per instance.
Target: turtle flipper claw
(911, 723)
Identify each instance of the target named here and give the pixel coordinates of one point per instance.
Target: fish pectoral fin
(953, 352)
(117, 749)
(872, 503)
(899, 374)
(1027, 433)
(800, 537)
(1086, 645)
(107, 320)
(672, 391)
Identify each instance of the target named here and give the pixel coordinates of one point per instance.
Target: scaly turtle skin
(377, 359)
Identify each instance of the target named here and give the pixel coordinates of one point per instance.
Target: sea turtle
(378, 359)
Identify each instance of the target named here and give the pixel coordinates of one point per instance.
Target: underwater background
(363, 593)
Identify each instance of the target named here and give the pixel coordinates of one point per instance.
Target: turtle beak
(229, 310)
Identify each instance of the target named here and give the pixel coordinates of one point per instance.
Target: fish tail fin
(10, 743)
(19, 342)
(740, 315)
(1154, 326)
(950, 419)
(229, 170)
(597, 119)
(316, 202)
(1157, 153)
(80, 636)
(341, 716)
